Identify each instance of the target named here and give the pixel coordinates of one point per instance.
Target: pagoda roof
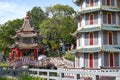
(105, 48)
(28, 34)
(78, 2)
(27, 46)
(97, 8)
(26, 24)
(98, 28)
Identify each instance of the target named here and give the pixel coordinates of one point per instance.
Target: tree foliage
(58, 25)
(36, 16)
(7, 30)
(55, 25)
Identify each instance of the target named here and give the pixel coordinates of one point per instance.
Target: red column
(17, 53)
(35, 54)
(12, 55)
(21, 54)
(43, 52)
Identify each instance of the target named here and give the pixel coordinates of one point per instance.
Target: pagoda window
(91, 2)
(108, 2)
(111, 59)
(27, 40)
(110, 38)
(91, 18)
(91, 38)
(91, 57)
(109, 18)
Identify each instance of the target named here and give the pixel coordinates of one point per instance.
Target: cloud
(10, 11)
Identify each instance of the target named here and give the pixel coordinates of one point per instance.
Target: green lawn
(23, 78)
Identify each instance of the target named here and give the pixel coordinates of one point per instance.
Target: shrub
(69, 56)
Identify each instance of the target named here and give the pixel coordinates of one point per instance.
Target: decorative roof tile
(98, 28)
(105, 48)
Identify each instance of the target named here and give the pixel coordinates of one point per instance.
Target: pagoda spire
(26, 25)
(27, 16)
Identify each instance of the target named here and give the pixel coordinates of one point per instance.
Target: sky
(13, 9)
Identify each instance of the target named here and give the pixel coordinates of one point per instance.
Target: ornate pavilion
(98, 34)
(26, 41)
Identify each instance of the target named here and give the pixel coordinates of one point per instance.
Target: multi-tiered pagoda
(98, 34)
(26, 41)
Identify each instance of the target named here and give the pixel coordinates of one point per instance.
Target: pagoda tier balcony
(98, 8)
(93, 49)
(93, 28)
(78, 2)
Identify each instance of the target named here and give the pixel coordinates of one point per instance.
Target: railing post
(60, 76)
(95, 77)
(37, 73)
(77, 76)
(117, 78)
(48, 75)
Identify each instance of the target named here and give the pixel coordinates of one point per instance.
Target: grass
(3, 64)
(22, 78)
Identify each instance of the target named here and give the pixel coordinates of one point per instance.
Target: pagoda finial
(27, 16)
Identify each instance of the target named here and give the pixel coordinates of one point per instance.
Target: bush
(69, 56)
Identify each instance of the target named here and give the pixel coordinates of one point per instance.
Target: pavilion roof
(27, 46)
(26, 24)
(28, 34)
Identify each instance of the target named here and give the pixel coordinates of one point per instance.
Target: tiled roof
(105, 48)
(98, 28)
(27, 46)
(28, 34)
(111, 48)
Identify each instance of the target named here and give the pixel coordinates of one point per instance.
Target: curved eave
(111, 48)
(28, 35)
(104, 48)
(86, 50)
(14, 37)
(78, 2)
(110, 8)
(89, 10)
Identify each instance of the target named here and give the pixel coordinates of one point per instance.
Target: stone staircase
(62, 62)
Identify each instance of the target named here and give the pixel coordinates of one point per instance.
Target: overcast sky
(13, 9)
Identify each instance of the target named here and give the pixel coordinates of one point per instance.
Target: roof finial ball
(27, 16)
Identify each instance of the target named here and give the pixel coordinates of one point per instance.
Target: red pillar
(35, 54)
(43, 52)
(17, 53)
(12, 55)
(21, 54)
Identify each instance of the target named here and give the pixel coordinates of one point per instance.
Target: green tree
(36, 16)
(7, 30)
(58, 25)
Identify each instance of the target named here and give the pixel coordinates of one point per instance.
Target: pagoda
(26, 41)
(98, 34)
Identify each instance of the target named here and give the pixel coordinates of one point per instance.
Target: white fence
(64, 74)
(74, 74)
